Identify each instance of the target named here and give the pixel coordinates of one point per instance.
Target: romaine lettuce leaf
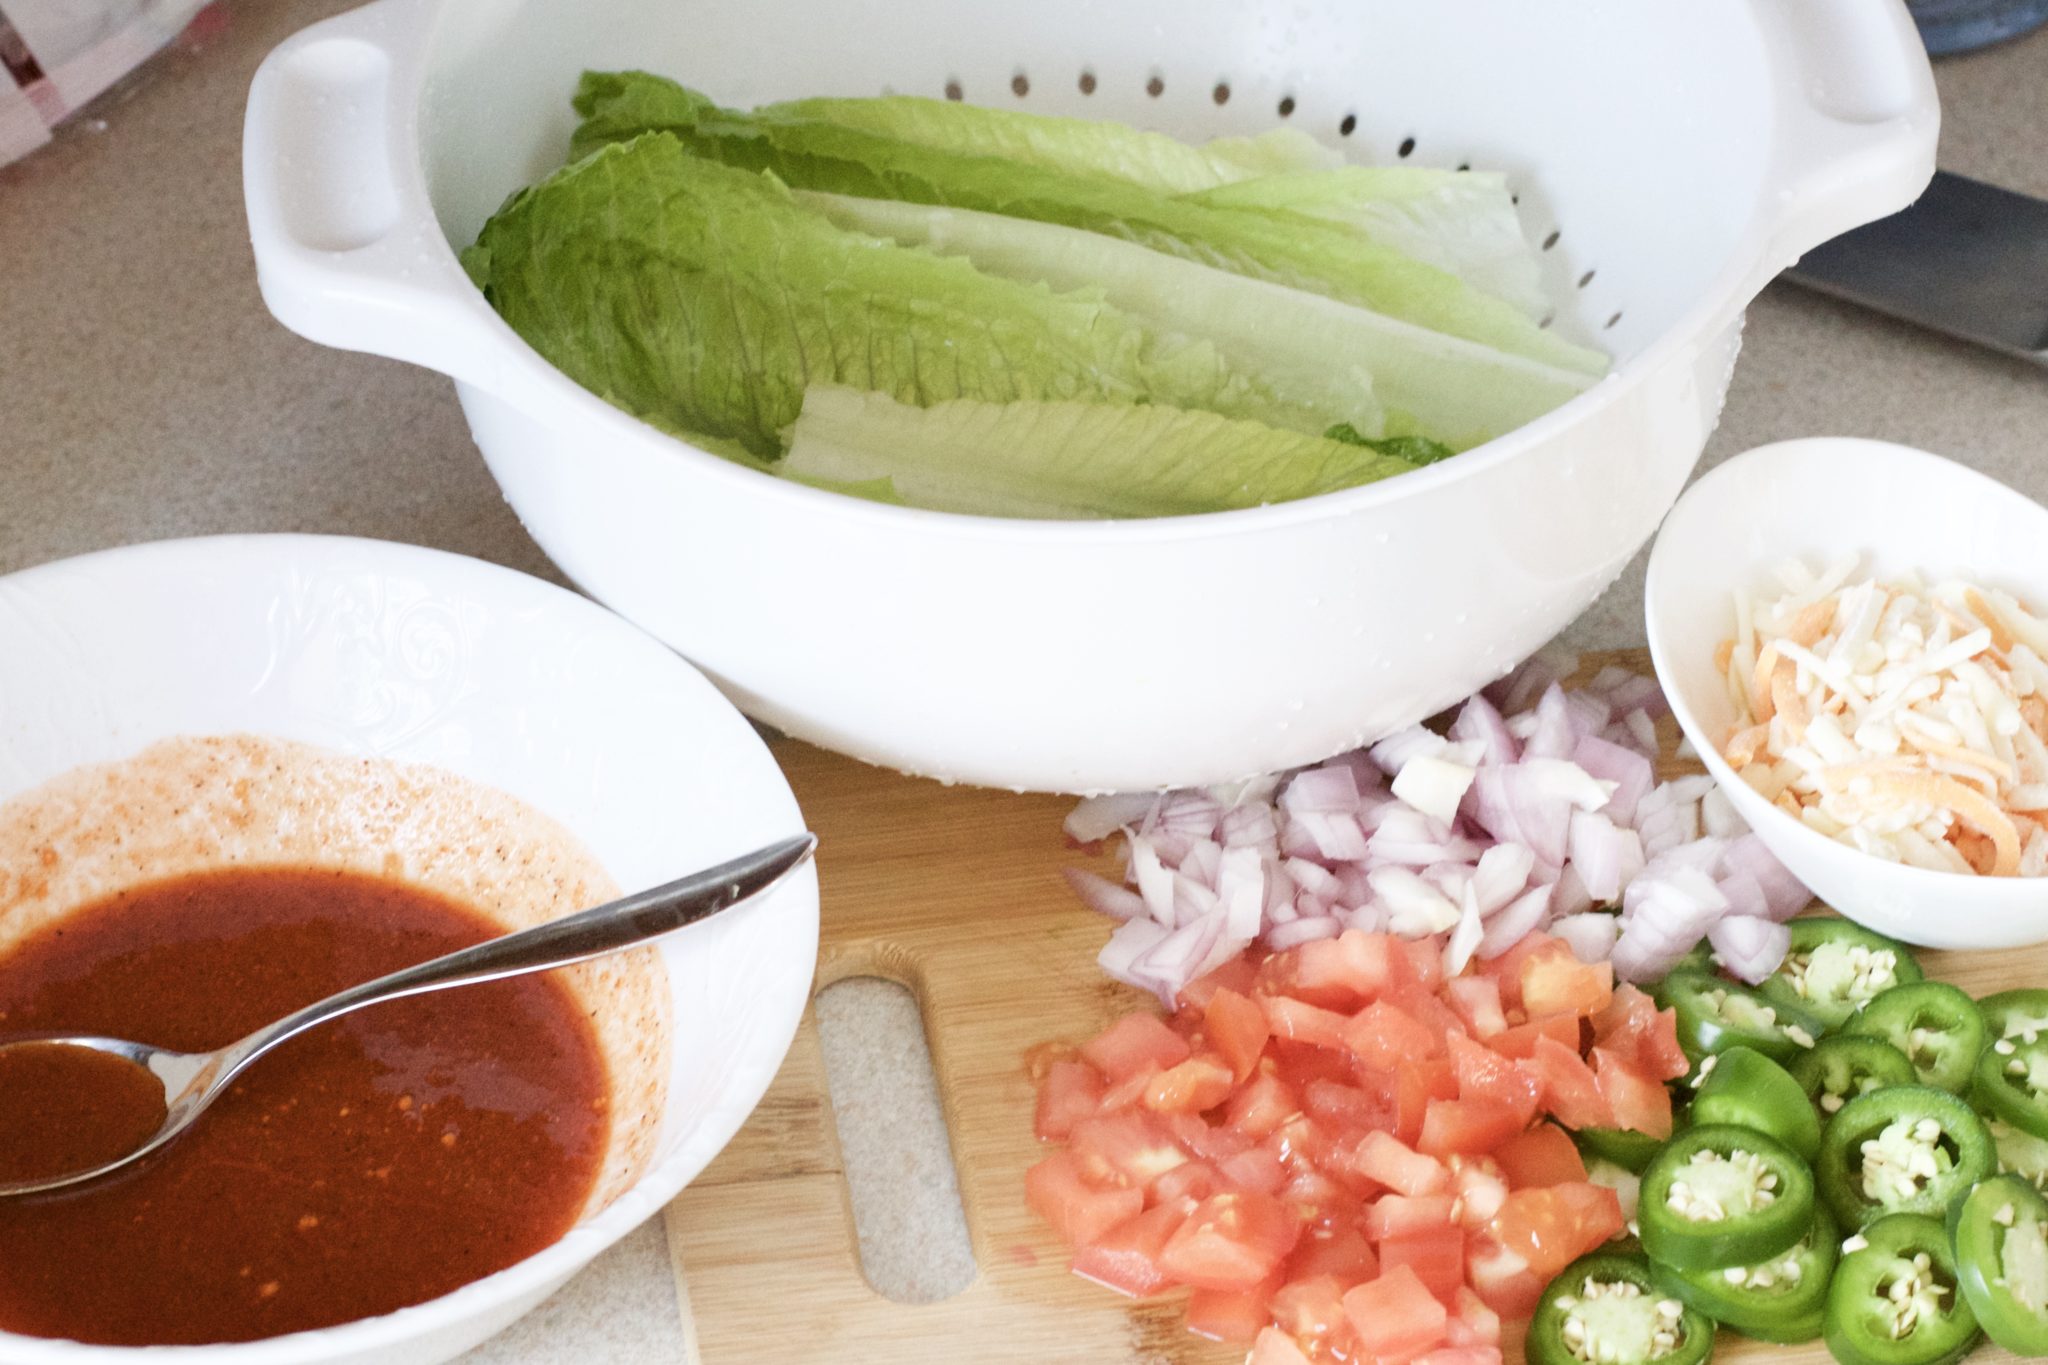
(1315, 355)
(704, 299)
(1062, 459)
(1298, 250)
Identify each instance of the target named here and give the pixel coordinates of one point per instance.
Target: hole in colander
(1286, 106)
(1585, 279)
(1406, 148)
(1551, 240)
(1221, 94)
(1020, 85)
(1087, 82)
(1464, 165)
(953, 91)
(1611, 321)
(1349, 125)
(1548, 318)
(1155, 87)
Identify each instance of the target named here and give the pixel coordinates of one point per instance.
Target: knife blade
(1966, 258)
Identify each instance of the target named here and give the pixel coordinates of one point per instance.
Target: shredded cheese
(1906, 720)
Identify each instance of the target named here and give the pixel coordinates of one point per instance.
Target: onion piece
(1522, 916)
(1104, 896)
(1300, 931)
(1098, 817)
(1591, 935)
(1630, 772)
(1331, 789)
(1479, 724)
(1433, 786)
(1395, 752)
(1749, 947)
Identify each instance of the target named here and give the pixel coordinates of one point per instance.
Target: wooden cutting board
(956, 893)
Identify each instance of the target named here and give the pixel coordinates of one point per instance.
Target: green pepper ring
(1625, 1147)
(1897, 1013)
(1749, 1090)
(1858, 1057)
(1980, 1262)
(1856, 1337)
(1546, 1345)
(1813, 931)
(1702, 1034)
(1746, 1238)
(1995, 1093)
(1865, 1117)
(1787, 1317)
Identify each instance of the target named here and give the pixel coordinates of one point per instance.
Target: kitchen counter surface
(145, 392)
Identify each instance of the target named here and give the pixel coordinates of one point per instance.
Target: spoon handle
(623, 923)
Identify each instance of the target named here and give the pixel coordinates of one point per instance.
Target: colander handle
(348, 250)
(1858, 116)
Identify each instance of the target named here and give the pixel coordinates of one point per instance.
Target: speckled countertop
(145, 392)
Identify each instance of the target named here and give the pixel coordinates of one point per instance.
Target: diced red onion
(1745, 896)
(1132, 941)
(1523, 916)
(1331, 789)
(1313, 878)
(1192, 901)
(1610, 679)
(1630, 772)
(1335, 837)
(1553, 734)
(1524, 685)
(1718, 818)
(1591, 935)
(1098, 817)
(1201, 862)
(1191, 813)
(1589, 715)
(1786, 894)
(1104, 896)
(1606, 858)
(1568, 894)
(1643, 728)
(1154, 880)
(1500, 875)
(1433, 785)
(1638, 692)
(1749, 947)
(1300, 931)
(1249, 826)
(1479, 724)
(1391, 754)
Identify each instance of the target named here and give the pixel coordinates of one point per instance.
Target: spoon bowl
(192, 1081)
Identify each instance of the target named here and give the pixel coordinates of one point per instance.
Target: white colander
(1669, 158)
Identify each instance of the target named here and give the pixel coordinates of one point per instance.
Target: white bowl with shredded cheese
(1848, 633)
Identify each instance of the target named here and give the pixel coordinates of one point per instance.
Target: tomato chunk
(1520, 1040)
(1552, 1227)
(1394, 1214)
(1545, 1155)
(1237, 1029)
(1638, 1101)
(1239, 974)
(1078, 1212)
(1472, 1322)
(1477, 1001)
(1255, 1169)
(1435, 1254)
(1127, 1148)
(1386, 1036)
(1484, 1074)
(1234, 1316)
(1395, 1316)
(1126, 1258)
(1467, 1126)
(1341, 1253)
(1311, 1311)
(1261, 1107)
(1131, 1044)
(1570, 1091)
(1415, 1085)
(1298, 1022)
(1193, 1181)
(1345, 972)
(1071, 1091)
(1199, 1083)
(1502, 1280)
(1558, 983)
(1275, 1347)
(1634, 1027)
(1460, 1355)
(1385, 1158)
(1232, 1241)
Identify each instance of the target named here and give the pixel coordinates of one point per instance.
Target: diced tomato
(1430, 1010)
(1346, 1105)
(1342, 973)
(1311, 1311)
(1131, 1044)
(1209, 1141)
(1426, 956)
(1128, 1148)
(1472, 1322)
(1386, 1036)
(1558, 983)
(1261, 1106)
(1638, 1102)
(1436, 1255)
(1301, 1063)
(1237, 1029)
(1232, 1241)
(1391, 1162)
(1071, 1091)
(1275, 1347)
(1634, 1027)
(1502, 1280)
(1415, 1086)
(1477, 1001)
(1545, 1155)
(1201, 1082)
(1507, 968)
(1235, 1316)
(1395, 1316)
(1311, 1194)
(1130, 1091)
(1460, 1355)
(1519, 1040)
(1255, 1170)
(1481, 1187)
(1393, 1214)
(1551, 1227)
(1301, 1139)
(1078, 1212)
(1342, 1253)
(1193, 1181)
(1126, 1258)
(1570, 1091)
(1467, 1126)
(1238, 975)
(1484, 1074)
(1303, 1023)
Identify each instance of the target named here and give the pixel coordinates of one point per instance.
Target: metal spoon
(192, 1081)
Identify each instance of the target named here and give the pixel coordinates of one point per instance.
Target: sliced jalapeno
(1895, 1301)
(2020, 1153)
(1846, 1065)
(1750, 1090)
(1719, 1195)
(1607, 1309)
(1780, 1299)
(1625, 1147)
(1834, 968)
(2012, 1074)
(2000, 1232)
(1715, 1015)
(1938, 1027)
(1910, 1149)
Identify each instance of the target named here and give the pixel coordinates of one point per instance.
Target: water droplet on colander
(1294, 706)
(1428, 637)
(1461, 618)
(1315, 602)
(1381, 539)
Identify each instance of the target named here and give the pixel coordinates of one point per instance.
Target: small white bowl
(1898, 509)
(414, 655)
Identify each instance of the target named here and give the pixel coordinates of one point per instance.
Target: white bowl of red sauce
(239, 773)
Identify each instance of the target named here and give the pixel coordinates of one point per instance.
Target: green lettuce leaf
(1298, 250)
(1062, 459)
(704, 299)
(1317, 357)
(1416, 450)
(1461, 221)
